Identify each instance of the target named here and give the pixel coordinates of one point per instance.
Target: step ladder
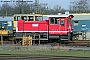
(36, 37)
(27, 41)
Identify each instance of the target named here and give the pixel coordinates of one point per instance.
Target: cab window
(76, 23)
(30, 18)
(54, 20)
(24, 18)
(38, 18)
(62, 22)
(16, 18)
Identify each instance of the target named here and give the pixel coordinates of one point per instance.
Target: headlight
(3, 27)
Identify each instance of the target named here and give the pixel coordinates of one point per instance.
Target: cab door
(53, 25)
(62, 24)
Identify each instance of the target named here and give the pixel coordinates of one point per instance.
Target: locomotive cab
(60, 25)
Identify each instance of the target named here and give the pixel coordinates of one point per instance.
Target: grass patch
(48, 52)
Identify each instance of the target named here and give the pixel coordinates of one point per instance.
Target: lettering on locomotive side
(83, 25)
(35, 25)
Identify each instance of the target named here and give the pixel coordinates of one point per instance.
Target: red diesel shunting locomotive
(56, 25)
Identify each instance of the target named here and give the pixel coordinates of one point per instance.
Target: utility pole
(22, 9)
(36, 6)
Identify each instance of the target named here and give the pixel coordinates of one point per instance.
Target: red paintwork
(44, 25)
(28, 26)
(20, 25)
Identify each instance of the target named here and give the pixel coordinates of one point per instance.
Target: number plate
(35, 25)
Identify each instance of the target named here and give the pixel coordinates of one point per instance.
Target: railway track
(79, 43)
(76, 44)
(71, 43)
(39, 57)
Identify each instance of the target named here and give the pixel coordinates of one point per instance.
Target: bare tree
(58, 9)
(79, 6)
(16, 8)
(5, 9)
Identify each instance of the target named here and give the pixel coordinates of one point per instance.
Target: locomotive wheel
(69, 37)
(59, 39)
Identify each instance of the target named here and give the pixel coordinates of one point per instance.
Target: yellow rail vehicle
(26, 17)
